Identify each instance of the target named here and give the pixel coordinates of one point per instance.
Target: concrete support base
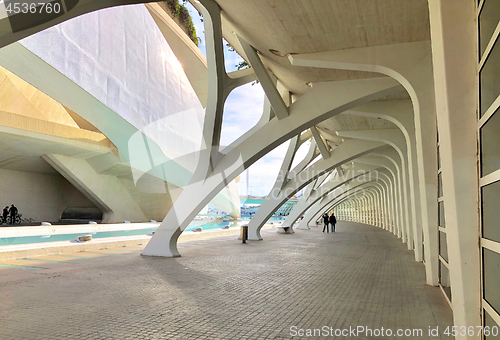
(285, 230)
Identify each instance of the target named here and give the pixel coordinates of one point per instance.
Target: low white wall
(20, 251)
(72, 229)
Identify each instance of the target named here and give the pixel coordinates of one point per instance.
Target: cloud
(243, 109)
(264, 172)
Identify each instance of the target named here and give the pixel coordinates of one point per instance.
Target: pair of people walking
(12, 211)
(329, 220)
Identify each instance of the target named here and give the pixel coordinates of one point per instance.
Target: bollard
(244, 233)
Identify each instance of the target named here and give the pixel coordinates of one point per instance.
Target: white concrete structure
(140, 100)
(385, 87)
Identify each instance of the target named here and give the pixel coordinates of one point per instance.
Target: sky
(242, 110)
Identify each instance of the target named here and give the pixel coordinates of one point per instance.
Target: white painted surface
(115, 69)
(119, 56)
(72, 229)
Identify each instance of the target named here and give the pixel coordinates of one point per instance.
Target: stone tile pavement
(222, 289)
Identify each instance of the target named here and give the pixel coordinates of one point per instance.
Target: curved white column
(223, 166)
(411, 65)
(370, 195)
(314, 213)
(345, 152)
(456, 99)
(386, 189)
(400, 113)
(349, 198)
(398, 222)
(396, 139)
(401, 143)
(317, 193)
(379, 210)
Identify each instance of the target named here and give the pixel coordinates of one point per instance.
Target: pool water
(69, 237)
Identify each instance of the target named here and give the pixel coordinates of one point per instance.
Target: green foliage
(230, 47)
(242, 65)
(180, 14)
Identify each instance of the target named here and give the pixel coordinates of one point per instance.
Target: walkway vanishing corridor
(222, 289)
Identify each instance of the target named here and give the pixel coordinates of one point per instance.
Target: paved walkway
(222, 289)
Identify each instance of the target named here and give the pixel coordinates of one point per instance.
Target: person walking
(13, 213)
(5, 214)
(333, 221)
(326, 220)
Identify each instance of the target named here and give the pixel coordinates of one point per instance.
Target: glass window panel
(440, 184)
(490, 79)
(488, 20)
(444, 279)
(441, 220)
(490, 145)
(443, 246)
(491, 278)
(490, 196)
(494, 329)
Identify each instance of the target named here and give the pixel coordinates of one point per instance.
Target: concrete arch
(376, 185)
(343, 153)
(392, 157)
(399, 223)
(347, 196)
(373, 186)
(391, 138)
(373, 209)
(315, 194)
(385, 187)
(308, 219)
(389, 197)
(394, 196)
(221, 167)
(369, 205)
(255, 144)
(349, 200)
(395, 138)
(400, 113)
(379, 213)
(363, 207)
(411, 65)
(314, 213)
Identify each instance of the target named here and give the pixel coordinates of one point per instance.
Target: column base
(163, 244)
(285, 230)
